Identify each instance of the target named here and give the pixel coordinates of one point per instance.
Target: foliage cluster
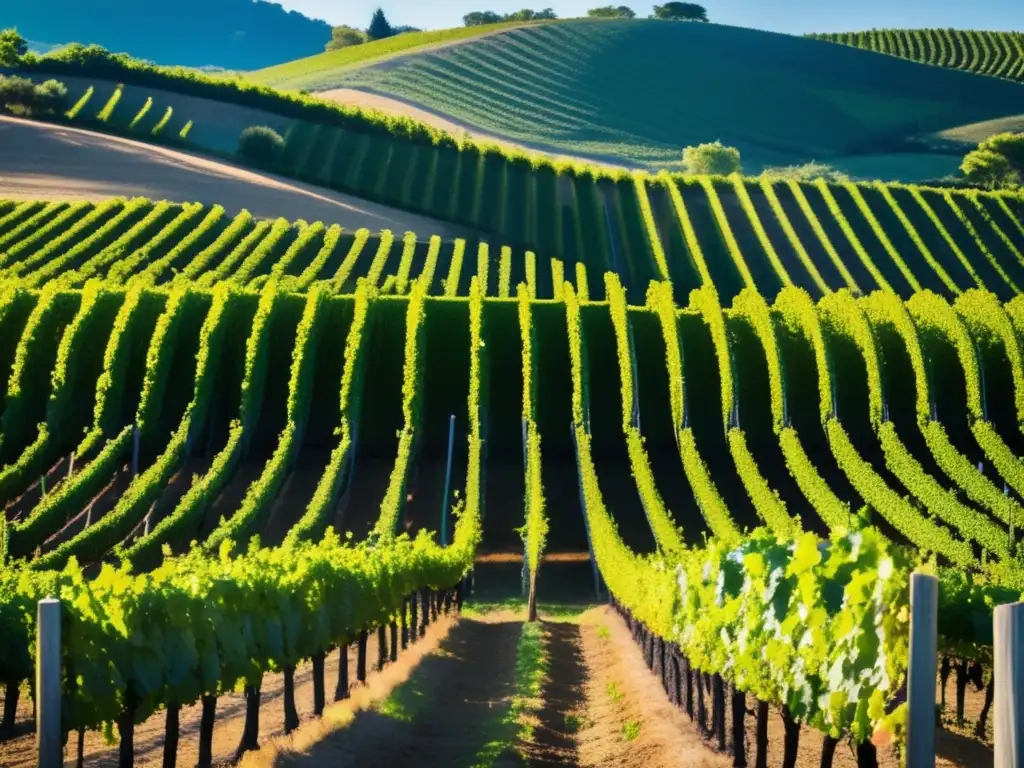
(997, 163)
(21, 95)
(478, 18)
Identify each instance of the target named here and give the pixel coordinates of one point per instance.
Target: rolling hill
(1000, 54)
(233, 34)
(594, 89)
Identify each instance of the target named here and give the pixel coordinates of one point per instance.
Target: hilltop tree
(681, 12)
(479, 18)
(345, 37)
(612, 12)
(12, 47)
(527, 15)
(379, 26)
(714, 159)
(476, 18)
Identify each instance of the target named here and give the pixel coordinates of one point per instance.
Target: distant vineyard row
(217, 413)
(734, 233)
(731, 234)
(1000, 54)
(140, 243)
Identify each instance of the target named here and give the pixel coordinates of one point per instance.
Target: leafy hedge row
(50, 237)
(260, 496)
(535, 528)
(915, 237)
(667, 534)
(108, 435)
(940, 323)
(223, 312)
(29, 384)
(708, 498)
(150, 229)
(181, 229)
(185, 249)
(879, 231)
(68, 404)
(893, 323)
(724, 608)
(413, 370)
(95, 541)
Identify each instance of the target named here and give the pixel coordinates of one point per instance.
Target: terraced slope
(314, 72)
(999, 54)
(226, 388)
(288, 381)
(732, 236)
(587, 87)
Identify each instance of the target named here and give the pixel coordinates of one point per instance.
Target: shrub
(714, 159)
(345, 37)
(1009, 145)
(989, 169)
(18, 91)
(22, 95)
(997, 162)
(806, 172)
(261, 145)
(51, 97)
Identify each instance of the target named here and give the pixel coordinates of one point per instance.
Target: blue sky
(794, 16)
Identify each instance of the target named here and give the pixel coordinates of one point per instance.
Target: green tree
(345, 37)
(1010, 146)
(478, 18)
(530, 15)
(989, 169)
(997, 162)
(12, 47)
(713, 159)
(50, 97)
(261, 146)
(612, 12)
(379, 27)
(807, 172)
(681, 12)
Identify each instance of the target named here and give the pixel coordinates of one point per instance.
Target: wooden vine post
(922, 671)
(1008, 673)
(49, 739)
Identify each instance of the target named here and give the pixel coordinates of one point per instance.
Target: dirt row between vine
(456, 708)
(40, 161)
(227, 732)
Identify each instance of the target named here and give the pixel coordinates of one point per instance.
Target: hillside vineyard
(230, 406)
(731, 234)
(1000, 54)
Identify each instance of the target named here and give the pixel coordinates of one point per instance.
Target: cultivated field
(999, 54)
(573, 87)
(311, 73)
(282, 433)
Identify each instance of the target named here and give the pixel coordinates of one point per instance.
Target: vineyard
(562, 88)
(732, 234)
(999, 54)
(267, 387)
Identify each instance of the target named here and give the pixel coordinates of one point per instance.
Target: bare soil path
(54, 162)
(450, 712)
(149, 736)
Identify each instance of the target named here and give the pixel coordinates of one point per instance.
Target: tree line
(670, 11)
(344, 36)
